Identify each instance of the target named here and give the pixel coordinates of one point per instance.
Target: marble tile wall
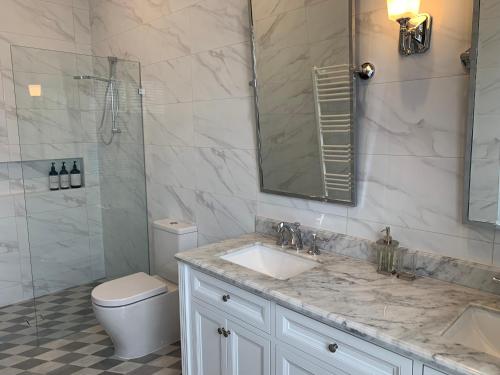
(199, 123)
(61, 26)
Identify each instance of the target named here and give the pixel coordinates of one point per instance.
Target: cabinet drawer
(245, 306)
(339, 349)
(431, 371)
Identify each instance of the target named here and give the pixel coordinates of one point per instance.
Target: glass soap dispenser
(386, 250)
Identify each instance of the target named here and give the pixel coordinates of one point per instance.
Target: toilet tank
(169, 238)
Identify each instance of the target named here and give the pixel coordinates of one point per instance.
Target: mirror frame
(254, 83)
(471, 105)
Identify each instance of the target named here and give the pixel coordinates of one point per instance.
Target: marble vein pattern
(465, 273)
(347, 293)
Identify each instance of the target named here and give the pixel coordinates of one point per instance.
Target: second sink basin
(271, 262)
(477, 328)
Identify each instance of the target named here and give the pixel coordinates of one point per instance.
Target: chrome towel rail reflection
(333, 93)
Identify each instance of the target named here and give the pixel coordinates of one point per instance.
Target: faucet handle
(314, 250)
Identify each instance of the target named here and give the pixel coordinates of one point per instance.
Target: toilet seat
(128, 290)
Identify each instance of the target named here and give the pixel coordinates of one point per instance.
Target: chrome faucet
(314, 249)
(294, 239)
(496, 278)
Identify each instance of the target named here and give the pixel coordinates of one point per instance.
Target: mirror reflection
(304, 97)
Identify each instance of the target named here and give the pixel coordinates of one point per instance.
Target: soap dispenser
(64, 177)
(75, 177)
(53, 178)
(386, 249)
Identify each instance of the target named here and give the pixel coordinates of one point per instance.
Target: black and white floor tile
(69, 341)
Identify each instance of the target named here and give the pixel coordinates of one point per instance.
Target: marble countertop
(346, 293)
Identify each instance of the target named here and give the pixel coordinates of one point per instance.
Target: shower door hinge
(141, 91)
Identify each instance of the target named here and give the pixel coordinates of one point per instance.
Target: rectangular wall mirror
(305, 98)
(483, 133)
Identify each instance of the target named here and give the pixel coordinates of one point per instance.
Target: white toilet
(139, 312)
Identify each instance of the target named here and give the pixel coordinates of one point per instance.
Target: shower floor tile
(69, 341)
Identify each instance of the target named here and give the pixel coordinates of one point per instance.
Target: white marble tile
(226, 123)
(168, 82)
(82, 26)
(37, 18)
(54, 126)
(60, 265)
(81, 4)
(60, 225)
(413, 192)
(171, 165)
(287, 97)
(303, 204)
(138, 44)
(222, 73)
(488, 35)
(125, 242)
(170, 201)
(7, 208)
(97, 262)
(486, 137)
(407, 118)
(111, 17)
(281, 31)
(58, 92)
(169, 125)
(316, 219)
(222, 216)
(327, 19)
(216, 23)
(431, 242)
(55, 200)
(265, 8)
(487, 90)
(8, 235)
(176, 34)
(227, 171)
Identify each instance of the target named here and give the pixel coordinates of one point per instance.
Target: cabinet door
(209, 347)
(289, 362)
(430, 371)
(248, 353)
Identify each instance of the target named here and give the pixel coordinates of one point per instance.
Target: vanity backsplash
(469, 274)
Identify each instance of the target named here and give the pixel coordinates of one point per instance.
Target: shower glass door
(82, 115)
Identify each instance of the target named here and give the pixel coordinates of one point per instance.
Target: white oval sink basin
(270, 262)
(477, 328)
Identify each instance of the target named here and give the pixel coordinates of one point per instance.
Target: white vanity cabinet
(430, 371)
(230, 331)
(222, 346)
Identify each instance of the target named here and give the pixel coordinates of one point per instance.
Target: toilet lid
(127, 290)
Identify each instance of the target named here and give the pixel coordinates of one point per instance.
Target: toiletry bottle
(386, 248)
(64, 177)
(53, 178)
(75, 177)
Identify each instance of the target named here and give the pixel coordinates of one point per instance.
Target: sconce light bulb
(402, 9)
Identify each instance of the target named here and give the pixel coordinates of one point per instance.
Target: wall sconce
(415, 27)
(35, 90)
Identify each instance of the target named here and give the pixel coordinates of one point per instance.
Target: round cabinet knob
(219, 331)
(333, 347)
(226, 297)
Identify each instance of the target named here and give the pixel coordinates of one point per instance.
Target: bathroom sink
(270, 262)
(477, 328)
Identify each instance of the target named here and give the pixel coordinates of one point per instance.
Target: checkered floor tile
(69, 341)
